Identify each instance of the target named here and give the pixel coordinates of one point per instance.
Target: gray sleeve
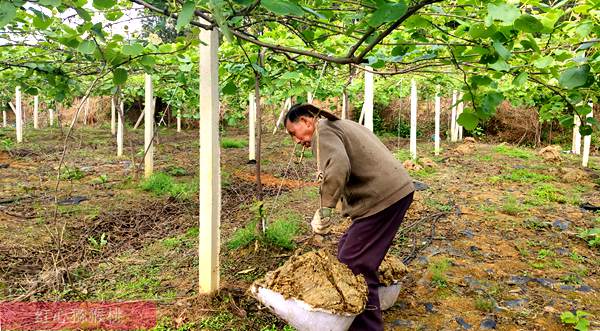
(335, 165)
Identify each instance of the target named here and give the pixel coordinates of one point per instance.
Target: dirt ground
(494, 241)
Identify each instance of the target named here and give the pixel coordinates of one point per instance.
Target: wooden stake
(345, 105)
(587, 140)
(19, 114)
(309, 97)
(36, 104)
(51, 116)
(286, 105)
(4, 118)
(113, 116)
(251, 127)
(459, 128)
(437, 122)
(178, 120)
(369, 95)
(413, 119)
(210, 177)
(148, 127)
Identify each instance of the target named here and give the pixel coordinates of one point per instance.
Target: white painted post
(453, 118)
(587, 140)
(251, 127)
(148, 127)
(178, 120)
(576, 146)
(19, 114)
(36, 103)
(413, 119)
(4, 117)
(369, 95)
(459, 128)
(86, 109)
(344, 105)
(51, 116)
(286, 105)
(309, 97)
(120, 128)
(210, 177)
(437, 122)
(113, 116)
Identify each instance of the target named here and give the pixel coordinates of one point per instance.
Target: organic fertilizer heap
(391, 270)
(320, 280)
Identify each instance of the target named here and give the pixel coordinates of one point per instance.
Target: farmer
(374, 189)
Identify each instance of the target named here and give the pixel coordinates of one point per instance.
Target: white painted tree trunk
(587, 141)
(576, 146)
(286, 106)
(51, 116)
(139, 120)
(113, 116)
(453, 117)
(210, 177)
(120, 128)
(309, 97)
(36, 104)
(251, 127)
(148, 126)
(437, 122)
(369, 95)
(459, 128)
(413, 119)
(19, 114)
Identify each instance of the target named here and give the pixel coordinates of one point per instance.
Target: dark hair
(308, 110)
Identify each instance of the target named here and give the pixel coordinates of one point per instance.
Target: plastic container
(299, 314)
(388, 295)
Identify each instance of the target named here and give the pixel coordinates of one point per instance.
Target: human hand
(321, 222)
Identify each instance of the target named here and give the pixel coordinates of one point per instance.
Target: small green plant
(571, 279)
(494, 179)
(233, 143)
(545, 193)
(544, 253)
(281, 232)
(217, 322)
(526, 176)
(576, 257)
(163, 184)
(512, 206)
(439, 205)
(307, 153)
(438, 270)
(514, 152)
(484, 305)
(102, 179)
(6, 143)
(243, 237)
(402, 154)
(98, 244)
(591, 236)
(72, 173)
(577, 320)
(176, 171)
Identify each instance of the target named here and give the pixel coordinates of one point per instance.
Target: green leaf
(388, 12)
(585, 130)
(83, 14)
(186, 15)
(568, 317)
(479, 80)
(230, 88)
(530, 44)
(282, 7)
(501, 50)
(50, 3)
(490, 102)
(104, 4)
(468, 120)
(574, 77)
(503, 12)
(113, 15)
(119, 76)
(582, 325)
(500, 65)
(543, 62)
(147, 60)
(133, 49)
(528, 23)
(87, 47)
(520, 79)
(7, 12)
(41, 21)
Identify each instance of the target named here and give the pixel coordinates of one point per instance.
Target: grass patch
(233, 143)
(438, 273)
(281, 232)
(243, 237)
(72, 173)
(423, 173)
(307, 154)
(162, 184)
(546, 193)
(514, 152)
(438, 205)
(402, 155)
(526, 176)
(512, 206)
(6, 143)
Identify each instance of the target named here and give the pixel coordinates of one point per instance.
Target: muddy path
(495, 240)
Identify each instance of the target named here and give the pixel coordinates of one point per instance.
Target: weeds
(512, 206)
(176, 171)
(6, 144)
(243, 237)
(98, 244)
(526, 176)
(438, 273)
(162, 184)
(514, 152)
(73, 173)
(591, 236)
(578, 320)
(281, 232)
(484, 305)
(546, 193)
(233, 143)
(402, 155)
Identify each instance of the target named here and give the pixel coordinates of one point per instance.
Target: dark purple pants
(363, 247)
